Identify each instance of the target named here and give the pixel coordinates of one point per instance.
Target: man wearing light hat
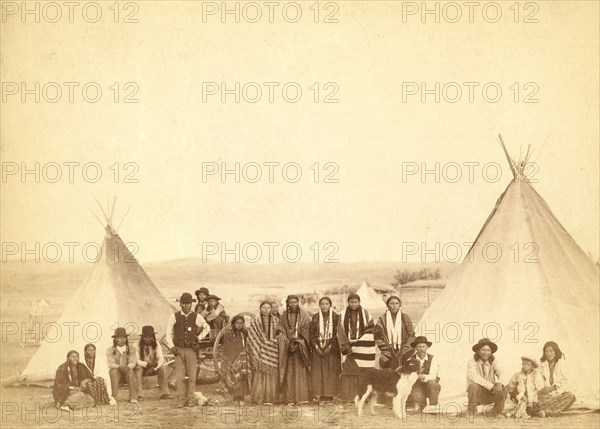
(185, 329)
(427, 385)
(483, 378)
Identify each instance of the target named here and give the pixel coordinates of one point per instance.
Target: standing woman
(554, 396)
(355, 336)
(275, 309)
(326, 359)
(68, 382)
(394, 333)
(294, 352)
(234, 368)
(264, 356)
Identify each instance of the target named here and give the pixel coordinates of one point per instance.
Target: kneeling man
(483, 378)
(428, 383)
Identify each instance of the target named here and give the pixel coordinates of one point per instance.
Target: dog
(398, 382)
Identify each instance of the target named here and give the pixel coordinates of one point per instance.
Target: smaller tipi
(370, 300)
(117, 293)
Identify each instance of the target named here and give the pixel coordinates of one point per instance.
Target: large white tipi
(118, 292)
(524, 283)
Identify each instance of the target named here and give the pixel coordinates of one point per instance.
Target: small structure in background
(40, 314)
(425, 285)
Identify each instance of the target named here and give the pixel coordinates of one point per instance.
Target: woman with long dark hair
(264, 356)
(394, 333)
(554, 396)
(96, 388)
(69, 383)
(326, 358)
(294, 352)
(356, 330)
(234, 371)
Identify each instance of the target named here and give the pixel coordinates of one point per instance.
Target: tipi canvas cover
(118, 292)
(542, 287)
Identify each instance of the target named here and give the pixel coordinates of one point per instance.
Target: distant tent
(550, 292)
(118, 292)
(371, 300)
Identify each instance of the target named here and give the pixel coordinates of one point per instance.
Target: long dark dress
(294, 360)
(67, 377)
(235, 365)
(325, 368)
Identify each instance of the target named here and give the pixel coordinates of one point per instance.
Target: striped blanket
(363, 348)
(264, 351)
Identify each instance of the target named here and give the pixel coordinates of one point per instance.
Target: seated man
(427, 385)
(483, 379)
(150, 361)
(201, 294)
(121, 362)
(215, 315)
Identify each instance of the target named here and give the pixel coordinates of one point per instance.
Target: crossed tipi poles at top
(108, 218)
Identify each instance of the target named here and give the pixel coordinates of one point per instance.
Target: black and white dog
(399, 383)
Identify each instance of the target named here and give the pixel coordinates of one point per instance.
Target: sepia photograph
(290, 214)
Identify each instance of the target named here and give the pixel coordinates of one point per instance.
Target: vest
(185, 330)
(427, 366)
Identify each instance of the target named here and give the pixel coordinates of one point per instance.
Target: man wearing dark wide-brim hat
(428, 383)
(185, 329)
(483, 379)
(121, 362)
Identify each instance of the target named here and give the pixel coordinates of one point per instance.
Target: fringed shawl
(263, 349)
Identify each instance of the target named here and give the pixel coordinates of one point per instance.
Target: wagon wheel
(218, 348)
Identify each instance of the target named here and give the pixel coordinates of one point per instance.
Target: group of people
(538, 390)
(81, 382)
(295, 357)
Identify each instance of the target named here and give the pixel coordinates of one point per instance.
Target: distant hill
(24, 283)
(339, 273)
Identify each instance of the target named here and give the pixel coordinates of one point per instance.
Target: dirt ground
(32, 407)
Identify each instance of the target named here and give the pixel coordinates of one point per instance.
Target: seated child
(523, 389)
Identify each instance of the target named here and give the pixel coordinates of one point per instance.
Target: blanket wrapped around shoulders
(363, 347)
(264, 347)
(289, 335)
(234, 363)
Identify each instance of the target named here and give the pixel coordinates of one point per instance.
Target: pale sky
(368, 134)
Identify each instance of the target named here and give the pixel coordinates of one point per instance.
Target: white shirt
(434, 369)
